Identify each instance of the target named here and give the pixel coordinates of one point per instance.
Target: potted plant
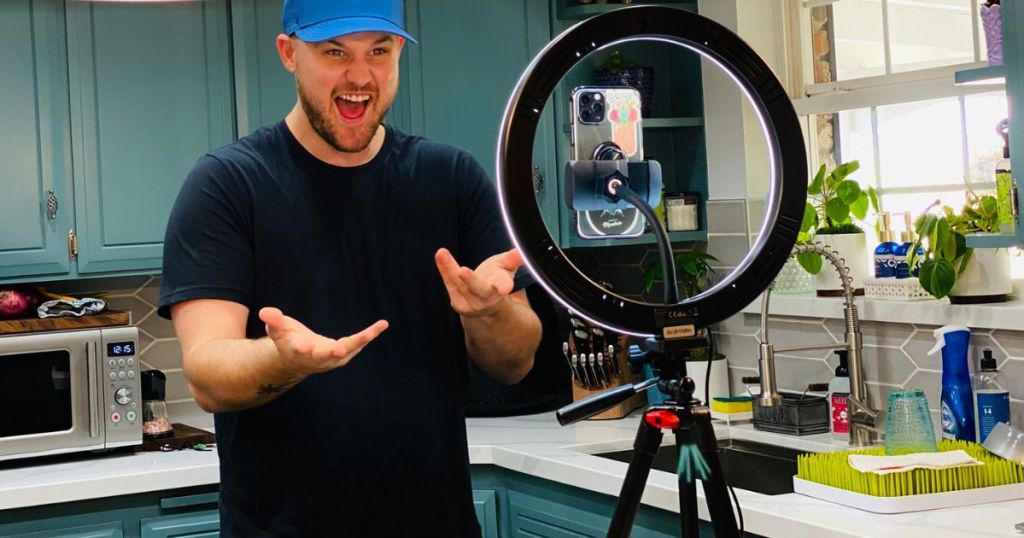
(834, 200)
(692, 268)
(948, 266)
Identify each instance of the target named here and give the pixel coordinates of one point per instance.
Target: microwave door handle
(92, 369)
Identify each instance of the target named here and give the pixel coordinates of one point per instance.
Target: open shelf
(646, 239)
(582, 11)
(991, 240)
(976, 76)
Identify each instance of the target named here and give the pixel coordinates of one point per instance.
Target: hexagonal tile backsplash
(895, 355)
(139, 295)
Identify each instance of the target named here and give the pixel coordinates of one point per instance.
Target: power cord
(707, 401)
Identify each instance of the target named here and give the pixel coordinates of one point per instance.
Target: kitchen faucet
(865, 422)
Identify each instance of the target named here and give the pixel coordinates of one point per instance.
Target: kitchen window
(878, 87)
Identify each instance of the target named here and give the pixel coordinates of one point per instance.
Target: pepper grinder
(155, 423)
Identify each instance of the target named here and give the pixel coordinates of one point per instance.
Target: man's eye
(380, 51)
(334, 52)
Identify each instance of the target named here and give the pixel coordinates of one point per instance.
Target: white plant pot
(986, 279)
(698, 370)
(853, 248)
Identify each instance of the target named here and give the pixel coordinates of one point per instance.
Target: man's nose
(358, 75)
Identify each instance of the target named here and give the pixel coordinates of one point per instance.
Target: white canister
(681, 212)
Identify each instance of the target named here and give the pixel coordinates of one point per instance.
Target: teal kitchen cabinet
(485, 503)
(102, 530)
(151, 91)
(180, 513)
(458, 78)
(264, 90)
(106, 107)
(205, 524)
(673, 134)
(35, 151)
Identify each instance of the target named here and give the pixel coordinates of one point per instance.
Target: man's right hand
(306, 352)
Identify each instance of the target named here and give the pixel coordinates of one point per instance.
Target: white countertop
(538, 446)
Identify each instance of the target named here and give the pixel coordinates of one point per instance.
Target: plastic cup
(1006, 441)
(908, 423)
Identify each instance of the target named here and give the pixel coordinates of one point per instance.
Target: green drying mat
(829, 477)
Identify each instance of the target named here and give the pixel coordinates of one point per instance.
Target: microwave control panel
(119, 359)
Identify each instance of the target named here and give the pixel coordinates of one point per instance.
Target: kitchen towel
(77, 307)
(907, 462)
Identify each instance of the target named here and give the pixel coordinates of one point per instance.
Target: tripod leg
(688, 519)
(715, 491)
(648, 439)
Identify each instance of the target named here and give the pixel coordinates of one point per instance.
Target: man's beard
(322, 124)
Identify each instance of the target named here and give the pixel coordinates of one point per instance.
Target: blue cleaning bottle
(957, 406)
(885, 252)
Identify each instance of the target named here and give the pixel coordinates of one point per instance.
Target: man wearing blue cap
(328, 235)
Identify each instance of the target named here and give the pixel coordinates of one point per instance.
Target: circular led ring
(784, 205)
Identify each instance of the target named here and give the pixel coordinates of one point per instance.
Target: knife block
(620, 409)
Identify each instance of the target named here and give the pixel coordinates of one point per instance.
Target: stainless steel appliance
(69, 391)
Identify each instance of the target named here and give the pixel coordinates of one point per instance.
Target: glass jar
(155, 422)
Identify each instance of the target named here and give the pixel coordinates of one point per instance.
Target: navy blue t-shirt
(377, 447)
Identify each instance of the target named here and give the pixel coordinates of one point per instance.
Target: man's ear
(286, 51)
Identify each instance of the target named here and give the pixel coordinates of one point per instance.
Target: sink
(766, 469)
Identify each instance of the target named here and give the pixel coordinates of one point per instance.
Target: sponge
(832, 469)
(732, 404)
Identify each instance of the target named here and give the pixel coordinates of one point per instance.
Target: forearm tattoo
(267, 390)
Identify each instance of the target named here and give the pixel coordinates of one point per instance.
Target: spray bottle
(957, 405)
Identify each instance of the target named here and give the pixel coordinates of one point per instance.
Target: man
(325, 236)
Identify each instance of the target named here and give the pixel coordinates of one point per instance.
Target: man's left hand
(479, 292)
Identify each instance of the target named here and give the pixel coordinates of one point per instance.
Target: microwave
(69, 391)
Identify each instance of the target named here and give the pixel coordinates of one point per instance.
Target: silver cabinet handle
(538, 180)
(51, 204)
(94, 387)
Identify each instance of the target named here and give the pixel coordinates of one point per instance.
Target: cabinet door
(34, 145)
(150, 93)
(486, 505)
(102, 530)
(460, 76)
(264, 90)
(205, 524)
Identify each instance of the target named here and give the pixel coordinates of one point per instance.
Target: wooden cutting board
(106, 318)
(184, 437)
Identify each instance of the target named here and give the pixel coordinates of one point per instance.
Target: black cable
(739, 511)
(707, 401)
(668, 267)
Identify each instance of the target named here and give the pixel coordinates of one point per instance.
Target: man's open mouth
(352, 106)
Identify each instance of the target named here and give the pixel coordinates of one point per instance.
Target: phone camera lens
(597, 107)
(585, 98)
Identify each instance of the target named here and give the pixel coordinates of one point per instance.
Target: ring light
(784, 205)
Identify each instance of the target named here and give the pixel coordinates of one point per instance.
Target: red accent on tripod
(662, 418)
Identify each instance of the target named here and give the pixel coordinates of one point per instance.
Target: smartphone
(602, 114)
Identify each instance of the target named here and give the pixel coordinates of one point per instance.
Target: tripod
(688, 419)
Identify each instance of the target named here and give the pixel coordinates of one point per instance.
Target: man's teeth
(355, 98)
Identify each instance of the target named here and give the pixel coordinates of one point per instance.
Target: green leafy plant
(942, 237)
(692, 268)
(833, 201)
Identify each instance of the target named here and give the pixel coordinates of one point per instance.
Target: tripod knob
(686, 388)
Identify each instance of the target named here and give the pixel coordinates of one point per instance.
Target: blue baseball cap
(320, 20)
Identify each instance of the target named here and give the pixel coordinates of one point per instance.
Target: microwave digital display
(120, 349)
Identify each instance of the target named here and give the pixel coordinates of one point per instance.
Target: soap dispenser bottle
(991, 396)
(838, 393)
(903, 268)
(885, 252)
(957, 405)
